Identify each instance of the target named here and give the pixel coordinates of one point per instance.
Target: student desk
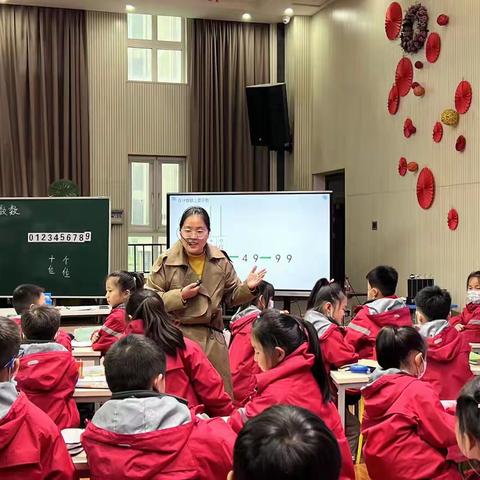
(81, 464)
(91, 395)
(343, 380)
(82, 311)
(86, 354)
(475, 369)
(475, 347)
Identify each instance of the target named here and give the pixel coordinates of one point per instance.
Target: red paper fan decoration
(393, 100)
(437, 132)
(461, 143)
(408, 128)
(402, 166)
(425, 188)
(412, 167)
(463, 97)
(452, 219)
(404, 76)
(433, 47)
(393, 20)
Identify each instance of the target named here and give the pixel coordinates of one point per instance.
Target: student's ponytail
(393, 345)
(131, 281)
(318, 369)
(325, 292)
(468, 409)
(276, 329)
(147, 305)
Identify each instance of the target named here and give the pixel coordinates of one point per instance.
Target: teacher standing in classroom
(194, 278)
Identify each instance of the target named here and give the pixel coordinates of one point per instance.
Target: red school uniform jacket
(113, 329)
(362, 331)
(336, 351)
(31, 447)
(242, 362)
(448, 366)
(161, 441)
(407, 433)
(48, 375)
(292, 383)
(470, 312)
(191, 376)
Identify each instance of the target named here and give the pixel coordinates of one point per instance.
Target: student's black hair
(394, 344)
(196, 211)
(286, 443)
(147, 305)
(24, 296)
(468, 409)
(275, 329)
(434, 302)
(133, 363)
(41, 322)
(128, 280)
(265, 290)
(384, 278)
(9, 341)
(325, 292)
(475, 274)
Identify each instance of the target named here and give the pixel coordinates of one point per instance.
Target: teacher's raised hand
(254, 278)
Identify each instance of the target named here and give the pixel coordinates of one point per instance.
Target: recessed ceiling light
(246, 17)
(288, 11)
(129, 8)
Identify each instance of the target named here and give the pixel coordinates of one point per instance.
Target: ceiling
(270, 11)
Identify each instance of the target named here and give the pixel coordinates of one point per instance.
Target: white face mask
(270, 303)
(473, 296)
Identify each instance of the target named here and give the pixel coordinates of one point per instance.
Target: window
(151, 178)
(156, 48)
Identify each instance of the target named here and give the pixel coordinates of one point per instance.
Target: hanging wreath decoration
(414, 28)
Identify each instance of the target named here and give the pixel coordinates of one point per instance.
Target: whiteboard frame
(278, 293)
(74, 198)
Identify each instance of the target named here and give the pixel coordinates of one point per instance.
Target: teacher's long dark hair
(147, 305)
(275, 329)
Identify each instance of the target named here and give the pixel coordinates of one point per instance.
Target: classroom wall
(352, 69)
(126, 118)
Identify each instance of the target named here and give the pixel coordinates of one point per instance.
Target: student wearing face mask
(448, 367)
(31, 445)
(242, 363)
(406, 430)
(469, 320)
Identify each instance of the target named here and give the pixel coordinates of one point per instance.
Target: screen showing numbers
(286, 233)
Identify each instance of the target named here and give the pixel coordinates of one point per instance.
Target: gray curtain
(225, 57)
(43, 100)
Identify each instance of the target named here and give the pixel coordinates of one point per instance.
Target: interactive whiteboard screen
(286, 233)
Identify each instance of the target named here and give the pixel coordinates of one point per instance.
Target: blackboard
(60, 244)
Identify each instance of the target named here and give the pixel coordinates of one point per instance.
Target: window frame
(155, 45)
(155, 229)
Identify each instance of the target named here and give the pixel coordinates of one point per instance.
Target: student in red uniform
(382, 308)
(286, 443)
(242, 364)
(190, 375)
(467, 427)
(448, 366)
(119, 287)
(326, 312)
(47, 373)
(31, 446)
(143, 433)
(468, 322)
(406, 430)
(288, 353)
(26, 296)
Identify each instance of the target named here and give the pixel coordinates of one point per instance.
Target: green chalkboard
(61, 244)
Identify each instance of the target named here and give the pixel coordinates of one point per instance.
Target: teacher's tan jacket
(171, 272)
